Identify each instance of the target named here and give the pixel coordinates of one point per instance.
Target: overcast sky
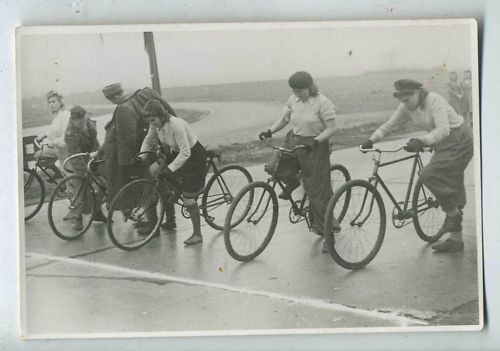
(78, 62)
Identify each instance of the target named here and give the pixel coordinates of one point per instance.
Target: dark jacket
(81, 140)
(124, 135)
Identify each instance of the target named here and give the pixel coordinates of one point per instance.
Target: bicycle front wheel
(71, 214)
(219, 193)
(34, 193)
(427, 216)
(362, 226)
(260, 218)
(135, 215)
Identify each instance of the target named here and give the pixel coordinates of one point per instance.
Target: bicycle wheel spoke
(258, 221)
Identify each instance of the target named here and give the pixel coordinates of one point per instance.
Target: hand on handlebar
(311, 144)
(368, 144)
(266, 135)
(415, 145)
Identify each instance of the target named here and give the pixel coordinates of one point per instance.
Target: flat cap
(112, 89)
(405, 87)
(77, 112)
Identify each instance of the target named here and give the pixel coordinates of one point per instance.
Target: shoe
(193, 239)
(325, 249)
(99, 217)
(169, 225)
(451, 224)
(449, 246)
(77, 224)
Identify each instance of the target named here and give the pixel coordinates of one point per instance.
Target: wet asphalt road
(88, 286)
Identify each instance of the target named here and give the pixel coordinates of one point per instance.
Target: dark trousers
(444, 174)
(315, 170)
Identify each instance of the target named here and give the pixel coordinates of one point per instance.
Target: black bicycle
(71, 215)
(142, 201)
(364, 223)
(34, 185)
(256, 205)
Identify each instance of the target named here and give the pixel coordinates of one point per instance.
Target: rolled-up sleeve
(439, 111)
(398, 119)
(327, 110)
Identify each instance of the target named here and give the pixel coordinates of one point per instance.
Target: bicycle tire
(336, 241)
(220, 192)
(343, 178)
(129, 210)
(64, 227)
(32, 178)
(436, 214)
(265, 199)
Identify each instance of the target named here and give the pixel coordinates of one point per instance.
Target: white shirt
(308, 118)
(435, 116)
(58, 127)
(177, 134)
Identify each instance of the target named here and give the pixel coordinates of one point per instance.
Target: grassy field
(355, 94)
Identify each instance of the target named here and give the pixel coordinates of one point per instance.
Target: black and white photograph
(249, 178)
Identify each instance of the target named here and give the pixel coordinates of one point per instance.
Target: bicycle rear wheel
(135, 215)
(362, 226)
(71, 215)
(34, 193)
(427, 215)
(252, 236)
(219, 193)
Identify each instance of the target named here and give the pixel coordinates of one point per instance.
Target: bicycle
(34, 185)
(247, 243)
(364, 223)
(143, 198)
(83, 194)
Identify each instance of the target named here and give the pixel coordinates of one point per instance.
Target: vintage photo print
(249, 178)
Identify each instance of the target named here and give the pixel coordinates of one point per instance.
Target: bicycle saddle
(213, 150)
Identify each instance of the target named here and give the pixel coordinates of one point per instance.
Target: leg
(194, 213)
(169, 223)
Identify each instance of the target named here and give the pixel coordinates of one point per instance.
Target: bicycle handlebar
(425, 148)
(280, 148)
(143, 153)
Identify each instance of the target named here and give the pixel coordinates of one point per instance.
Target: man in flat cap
(452, 141)
(124, 135)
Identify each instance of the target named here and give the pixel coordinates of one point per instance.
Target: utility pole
(149, 46)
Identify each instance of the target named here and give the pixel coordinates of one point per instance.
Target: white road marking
(316, 303)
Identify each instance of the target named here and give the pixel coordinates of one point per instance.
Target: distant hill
(368, 92)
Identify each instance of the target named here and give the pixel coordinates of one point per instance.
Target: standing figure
(55, 133)
(312, 118)
(467, 106)
(124, 136)
(453, 150)
(455, 93)
(188, 162)
(81, 136)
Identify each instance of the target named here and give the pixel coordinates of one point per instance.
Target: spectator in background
(81, 136)
(455, 93)
(467, 97)
(55, 146)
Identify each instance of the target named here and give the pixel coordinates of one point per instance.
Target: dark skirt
(192, 172)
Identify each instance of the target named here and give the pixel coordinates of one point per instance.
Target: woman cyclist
(453, 149)
(312, 118)
(188, 159)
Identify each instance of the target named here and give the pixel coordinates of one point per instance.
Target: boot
(194, 213)
(146, 227)
(77, 223)
(169, 223)
(451, 224)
